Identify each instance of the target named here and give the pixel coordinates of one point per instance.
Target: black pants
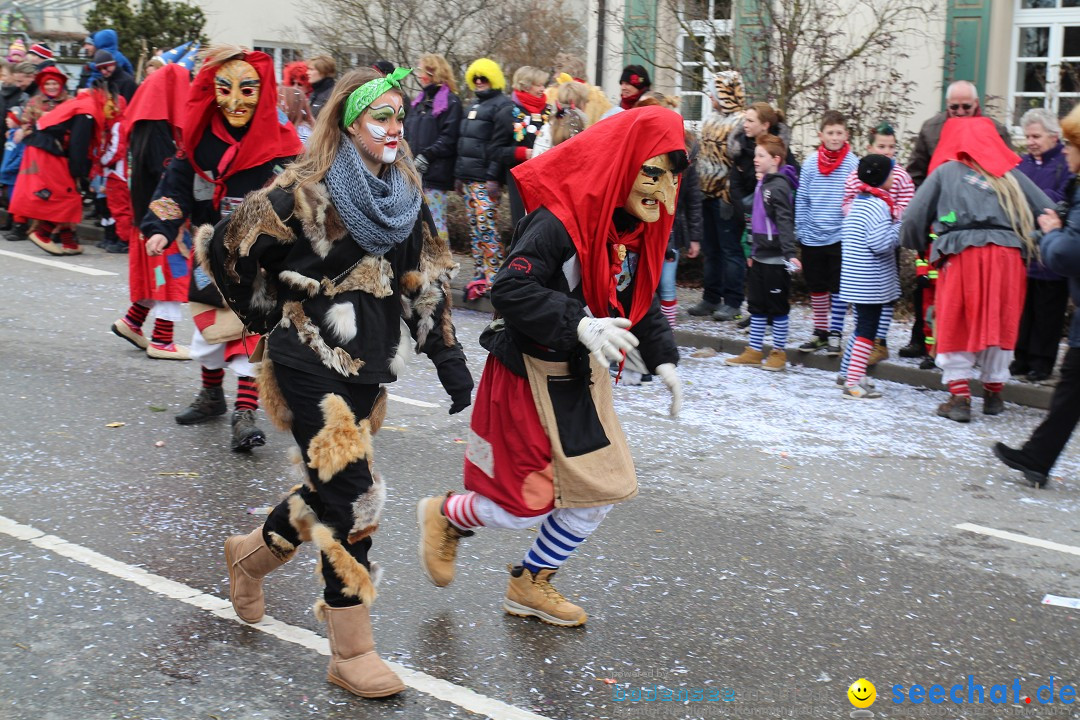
(1041, 324)
(867, 319)
(821, 267)
(725, 261)
(332, 501)
(1050, 438)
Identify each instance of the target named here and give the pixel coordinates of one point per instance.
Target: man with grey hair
(961, 100)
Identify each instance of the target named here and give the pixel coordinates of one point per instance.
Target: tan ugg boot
(749, 358)
(776, 361)
(438, 541)
(354, 664)
(249, 560)
(534, 596)
(879, 353)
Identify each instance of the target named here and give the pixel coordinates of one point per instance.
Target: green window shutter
(639, 34)
(967, 35)
(749, 47)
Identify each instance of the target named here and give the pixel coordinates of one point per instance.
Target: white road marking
(455, 694)
(1015, 537)
(56, 263)
(410, 401)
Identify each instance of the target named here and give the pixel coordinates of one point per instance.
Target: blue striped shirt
(869, 274)
(820, 200)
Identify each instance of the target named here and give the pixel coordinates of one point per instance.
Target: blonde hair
(221, 53)
(653, 97)
(566, 123)
(436, 66)
(324, 65)
(573, 94)
(322, 146)
(1013, 201)
(526, 76)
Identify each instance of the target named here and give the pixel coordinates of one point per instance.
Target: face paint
(656, 185)
(380, 129)
(237, 86)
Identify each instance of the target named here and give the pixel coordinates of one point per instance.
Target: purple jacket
(1051, 174)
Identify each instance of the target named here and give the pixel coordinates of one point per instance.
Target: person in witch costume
(232, 144)
(332, 262)
(152, 128)
(576, 292)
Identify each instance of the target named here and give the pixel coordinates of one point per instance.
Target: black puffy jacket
(435, 137)
(486, 129)
(320, 93)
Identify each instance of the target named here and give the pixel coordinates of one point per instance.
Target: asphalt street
(784, 544)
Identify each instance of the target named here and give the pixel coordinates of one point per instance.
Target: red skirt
(508, 458)
(980, 296)
(160, 277)
(45, 190)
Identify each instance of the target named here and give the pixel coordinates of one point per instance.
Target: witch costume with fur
(232, 144)
(344, 273)
(578, 287)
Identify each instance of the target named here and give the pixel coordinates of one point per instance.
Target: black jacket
(743, 179)
(689, 224)
(435, 137)
(152, 149)
(320, 93)
(122, 83)
(540, 312)
(487, 130)
(12, 97)
(72, 138)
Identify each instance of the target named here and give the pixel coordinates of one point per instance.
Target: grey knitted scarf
(379, 212)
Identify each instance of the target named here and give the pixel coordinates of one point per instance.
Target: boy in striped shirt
(869, 280)
(818, 215)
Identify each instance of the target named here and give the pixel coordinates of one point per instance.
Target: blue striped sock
(779, 332)
(837, 314)
(847, 354)
(758, 323)
(885, 322)
(552, 546)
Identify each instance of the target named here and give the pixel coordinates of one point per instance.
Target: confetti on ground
(180, 474)
(159, 443)
(115, 425)
(260, 510)
(1068, 602)
(157, 408)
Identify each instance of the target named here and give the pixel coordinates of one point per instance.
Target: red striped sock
(136, 315)
(960, 387)
(860, 353)
(994, 387)
(163, 332)
(821, 305)
(247, 393)
(670, 308)
(212, 378)
(460, 510)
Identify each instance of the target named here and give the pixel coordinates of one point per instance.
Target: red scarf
(829, 160)
(628, 102)
(583, 180)
(533, 104)
(974, 139)
(881, 195)
(161, 96)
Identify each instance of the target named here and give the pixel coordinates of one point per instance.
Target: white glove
(667, 373)
(606, 338)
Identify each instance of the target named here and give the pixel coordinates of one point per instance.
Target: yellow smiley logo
(862, 693)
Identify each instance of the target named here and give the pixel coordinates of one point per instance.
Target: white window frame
(711, 30)
(1056, 19)
(277, 48)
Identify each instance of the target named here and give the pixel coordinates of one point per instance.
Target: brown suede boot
(749, 358)
(438, 540)
(354, 664)
(529, 595)
(249, 560)
(776, 361)
(879, 353)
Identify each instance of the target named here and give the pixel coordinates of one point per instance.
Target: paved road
(785, 543)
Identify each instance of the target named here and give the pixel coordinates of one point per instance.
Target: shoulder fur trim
(320, 221)
(255, 216)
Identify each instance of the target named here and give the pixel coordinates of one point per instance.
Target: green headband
(364, 95)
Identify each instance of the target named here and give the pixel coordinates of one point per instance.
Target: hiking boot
(209, 403)
(818, 341)
(928, 364)
(18, 232)
(776, 361)
(122, 328)
(832, 347)
(992, 403)
(702, 309)
(245, 434)
(912, 350)
(749, 358)
(726, 313)
(879, 353)
(534, 596)
(956, 408)
(1017, 460)
(117, 247)
(171, 351)
(438, 540)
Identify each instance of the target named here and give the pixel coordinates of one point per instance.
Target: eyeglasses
(956, 106)
(479, 79)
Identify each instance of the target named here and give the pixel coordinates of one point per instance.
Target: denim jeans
(725, 262)
(666, 288)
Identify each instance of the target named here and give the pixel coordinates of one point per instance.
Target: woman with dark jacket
(486, 132)
(431, 129)
(322, 71)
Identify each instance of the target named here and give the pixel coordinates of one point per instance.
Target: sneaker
(438, 540)
(172, 351)
(45, 242)
(245, 434)
(776, 362)
(956, 408)
(912, 350)
(702, 309)
(992, 403)
(744, 323)
(210, 402)
(122, 328)
(726, 313)
(529, 595)
(861, 392)
(928, 364)
(864, 381)
(117, 247)
(832, 347)
(18, 232)
(748, 358)
(818, 341)
(1017, 460)
(879, 353)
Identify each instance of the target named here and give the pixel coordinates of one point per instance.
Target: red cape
(266, 137)
(583, 180)
(974, 139)
(87, 102)
(162, 96)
